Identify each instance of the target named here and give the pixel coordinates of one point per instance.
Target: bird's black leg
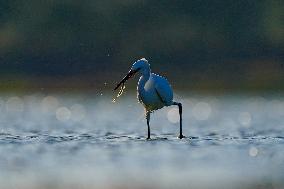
(180, 119)
(148, 124)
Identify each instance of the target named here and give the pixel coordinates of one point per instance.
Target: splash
(119, 93)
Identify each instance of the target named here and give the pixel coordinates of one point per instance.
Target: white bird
(153, 91)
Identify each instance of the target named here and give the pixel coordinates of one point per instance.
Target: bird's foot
(148, 138)
(180, 136)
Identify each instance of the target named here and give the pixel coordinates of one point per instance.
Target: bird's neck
(146, 72)
(143, 79)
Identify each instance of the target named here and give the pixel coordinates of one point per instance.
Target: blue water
(86, 141)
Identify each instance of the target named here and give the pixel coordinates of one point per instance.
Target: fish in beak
(130, 74)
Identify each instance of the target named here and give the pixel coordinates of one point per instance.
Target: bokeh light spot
(78, 112)
(15, 104)
(173, 115)
(253, 151)
(202, 111)
(245, 119)
(49, 104)
(63, 114)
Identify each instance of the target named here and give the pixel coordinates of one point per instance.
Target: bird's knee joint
(180, 107)
(178, 104)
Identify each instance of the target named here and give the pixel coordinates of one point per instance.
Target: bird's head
(140, 65)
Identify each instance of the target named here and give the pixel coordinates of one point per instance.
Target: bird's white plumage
(153, 91)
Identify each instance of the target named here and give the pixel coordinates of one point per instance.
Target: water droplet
(119, 93)
(121, 90)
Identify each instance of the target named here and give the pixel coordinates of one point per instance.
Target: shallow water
(86, 141)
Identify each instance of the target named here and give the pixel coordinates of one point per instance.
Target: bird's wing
(160, 97)
(164, 91)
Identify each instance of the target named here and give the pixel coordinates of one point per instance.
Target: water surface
(86, 141)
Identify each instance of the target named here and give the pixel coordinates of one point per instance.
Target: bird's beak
(130, 74)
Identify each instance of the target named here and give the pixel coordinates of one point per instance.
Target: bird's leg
(180, 118)
(148, 123)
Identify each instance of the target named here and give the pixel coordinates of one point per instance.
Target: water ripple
(112, 137)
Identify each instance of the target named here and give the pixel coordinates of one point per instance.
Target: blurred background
(219, 45)
(60, 59)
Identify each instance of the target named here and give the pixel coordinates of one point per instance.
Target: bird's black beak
(130, 74)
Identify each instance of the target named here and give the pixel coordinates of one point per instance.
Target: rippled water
(86, 141)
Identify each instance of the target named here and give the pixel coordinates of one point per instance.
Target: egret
(153, 91)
